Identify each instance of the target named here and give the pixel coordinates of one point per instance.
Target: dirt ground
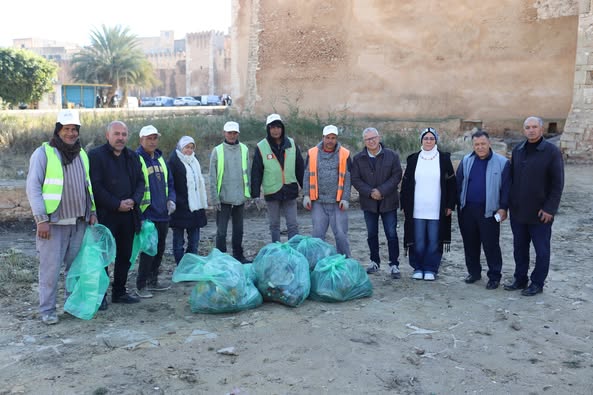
(410, 337)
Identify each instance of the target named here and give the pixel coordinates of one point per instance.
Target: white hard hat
(273, 117)
(231, 126)
(330, 129)
(68, 117)
(148, 130)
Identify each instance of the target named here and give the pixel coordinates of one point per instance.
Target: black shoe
(470, 279)
(515, 285)
(492, 284)
(242, 259)
(104, 304)
(125, 298)
(533, 289)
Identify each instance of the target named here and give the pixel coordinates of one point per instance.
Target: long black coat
(182, 217)
(448, 198)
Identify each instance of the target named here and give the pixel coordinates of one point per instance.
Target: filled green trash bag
(87, 281)
(282, 274)
(190, 265)
(313, 248)
(145, 241)
(249, 272)
(295, 240)
(337, 279)
(223, 288)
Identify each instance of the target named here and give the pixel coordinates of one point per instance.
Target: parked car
(147, 102)
(185, 101)
(214, 100)
(163, 101)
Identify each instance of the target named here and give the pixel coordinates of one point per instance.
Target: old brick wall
(493, 60)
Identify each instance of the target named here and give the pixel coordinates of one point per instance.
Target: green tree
(114, 58)
(24, 76)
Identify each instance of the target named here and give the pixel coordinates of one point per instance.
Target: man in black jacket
(278, 169)
(537, 173)
(376, 173)
(118, 186)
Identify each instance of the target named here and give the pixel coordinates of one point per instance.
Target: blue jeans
(539, 235)
(286, 208)
(426, 255)
(193, 238)
(389, 220)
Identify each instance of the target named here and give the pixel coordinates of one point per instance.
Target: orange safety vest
(342, 160)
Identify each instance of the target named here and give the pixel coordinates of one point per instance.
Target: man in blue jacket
(483, 183)
(537, 173)
(376, 173)
(157, 204)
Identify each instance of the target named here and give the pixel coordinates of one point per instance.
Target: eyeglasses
(371, 138)
(428, 139)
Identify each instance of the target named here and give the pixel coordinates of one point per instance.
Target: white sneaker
(429, 276)
(395, 274)
(142, 293)
(373, 267)
(418, 275)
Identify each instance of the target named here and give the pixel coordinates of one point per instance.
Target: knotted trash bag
(314, 249)
(337, 279)
(282, 274)
(87, 281)
(295, 240)
(222, 286)
(145, 241)
(190, 266)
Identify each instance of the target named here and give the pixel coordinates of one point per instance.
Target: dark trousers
(234, 213)
(121, 226)
(477, 233)
(539, 235)
(389, 220)
(193, 238)
(148, 268)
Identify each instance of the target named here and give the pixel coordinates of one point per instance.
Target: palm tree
(113, 58)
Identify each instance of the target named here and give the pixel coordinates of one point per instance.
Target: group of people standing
(120, 188)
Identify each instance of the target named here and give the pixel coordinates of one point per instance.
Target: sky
(73, 21)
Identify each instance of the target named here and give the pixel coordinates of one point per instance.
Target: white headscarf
(196, 187)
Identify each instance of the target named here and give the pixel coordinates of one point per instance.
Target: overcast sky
(72, 21)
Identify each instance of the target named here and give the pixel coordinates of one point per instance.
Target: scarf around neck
(68, 152)
(196, 187)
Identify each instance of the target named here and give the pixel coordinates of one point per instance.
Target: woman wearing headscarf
(190, 214)
(428, 197)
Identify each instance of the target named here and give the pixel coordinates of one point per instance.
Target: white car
(185, 101)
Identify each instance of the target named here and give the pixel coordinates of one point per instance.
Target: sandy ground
(410, 337)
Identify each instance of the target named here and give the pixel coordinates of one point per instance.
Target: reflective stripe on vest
(274, 175)
(146, 197)
(220, 168)
(53, 184)
(343, 154)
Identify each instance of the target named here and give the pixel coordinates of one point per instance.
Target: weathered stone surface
(13, 201)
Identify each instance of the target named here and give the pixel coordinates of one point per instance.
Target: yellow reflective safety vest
(274, 175)
(313, 184)
(146, 197)
(53, 184)
(220, 168)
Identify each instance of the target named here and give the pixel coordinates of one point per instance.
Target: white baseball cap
(273, 117)
(148, 130)
(231, 126)
(330, 129)
(68, 117)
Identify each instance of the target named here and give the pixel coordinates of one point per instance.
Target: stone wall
(493, 60)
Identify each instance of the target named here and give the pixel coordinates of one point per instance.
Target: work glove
(344, 204)
(259, 203)
(171, 206)
(307, 202)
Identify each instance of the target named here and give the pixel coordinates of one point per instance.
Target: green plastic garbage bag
(337, 279)
(223, 287)
(190, 265)
(87, 281)
(145, 241)
(282, 274)
(314, 249)
(295, 240)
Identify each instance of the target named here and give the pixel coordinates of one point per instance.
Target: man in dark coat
(118, 186)
(376, 173)
(537, 174)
